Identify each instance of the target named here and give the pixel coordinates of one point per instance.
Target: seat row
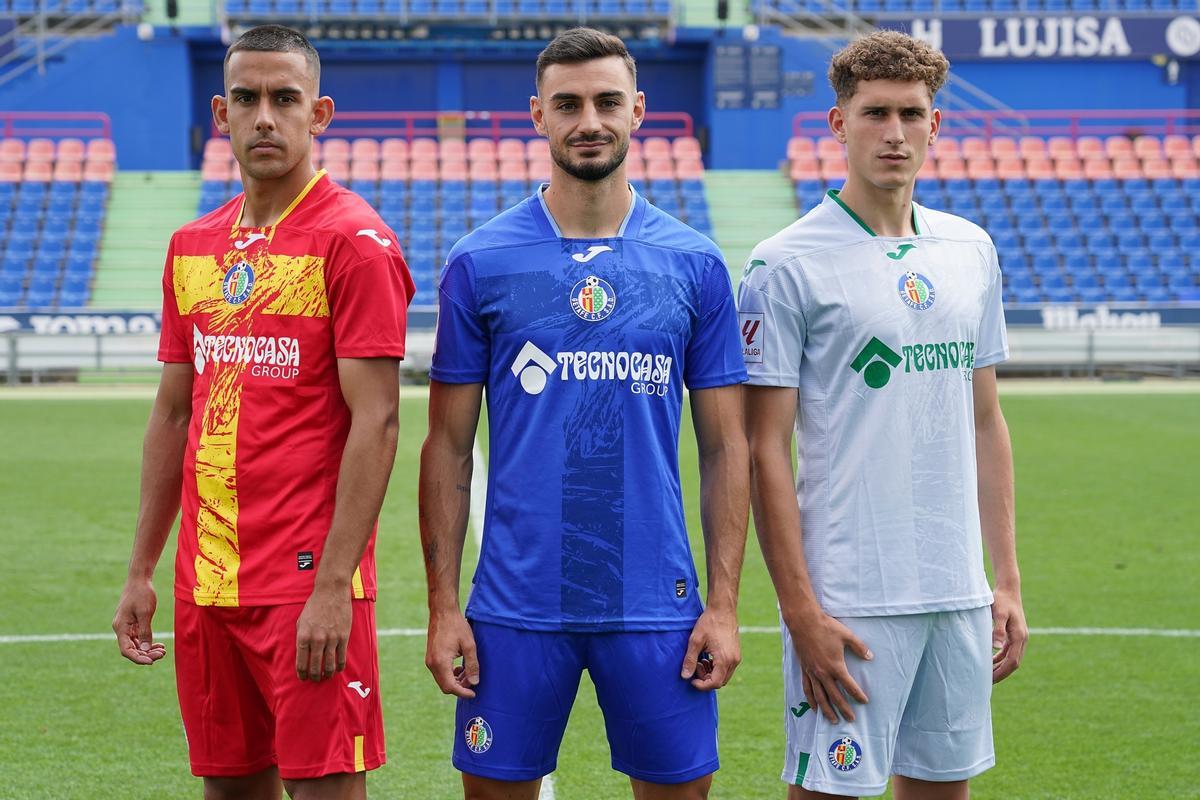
(320, 10)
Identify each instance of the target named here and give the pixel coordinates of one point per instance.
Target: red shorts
(245, 710)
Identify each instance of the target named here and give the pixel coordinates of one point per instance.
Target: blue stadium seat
(79, 266)
(1121, 220)
(370, 7)
(1183, 221)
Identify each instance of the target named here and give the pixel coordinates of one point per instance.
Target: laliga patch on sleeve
(753, 328)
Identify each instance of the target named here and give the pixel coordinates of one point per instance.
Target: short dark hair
(578, 45)
(277, 39)
(888, 56)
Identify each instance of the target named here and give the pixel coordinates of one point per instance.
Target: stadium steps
(747, 206)
(144, 210)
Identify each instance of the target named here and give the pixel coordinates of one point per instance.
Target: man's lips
(590, 145)
(262, 147)
(894, 157)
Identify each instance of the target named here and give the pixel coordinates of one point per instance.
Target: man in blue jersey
(585, 312)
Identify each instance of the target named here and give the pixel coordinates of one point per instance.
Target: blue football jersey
(585, 347)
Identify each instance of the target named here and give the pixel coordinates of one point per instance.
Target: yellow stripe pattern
(356, 584)
(360, 764)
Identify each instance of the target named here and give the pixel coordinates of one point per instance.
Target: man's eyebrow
(280, 90)
(605, 95)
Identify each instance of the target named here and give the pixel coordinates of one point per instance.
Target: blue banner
(1066, 317)
(1043, 37)
(67, 323)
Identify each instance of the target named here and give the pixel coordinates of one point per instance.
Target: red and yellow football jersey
(263, 314)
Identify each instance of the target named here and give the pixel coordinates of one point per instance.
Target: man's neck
(266, 200)
(588, 209)
(887, 212)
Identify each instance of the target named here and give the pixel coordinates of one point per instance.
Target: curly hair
(886, 56)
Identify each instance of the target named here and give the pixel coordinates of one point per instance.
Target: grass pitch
(1108, 536)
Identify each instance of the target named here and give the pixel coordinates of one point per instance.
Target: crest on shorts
(478, 735)
(845, 754)
(916, 291)
(238, 283)
(593, 299)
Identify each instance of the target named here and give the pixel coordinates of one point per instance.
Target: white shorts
(928, 716)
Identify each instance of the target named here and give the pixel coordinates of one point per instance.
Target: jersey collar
(629, 226)
(237, 222)
(835, 202)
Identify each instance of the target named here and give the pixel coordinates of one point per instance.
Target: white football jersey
(880, 336)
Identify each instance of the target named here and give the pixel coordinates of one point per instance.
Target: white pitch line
(387, 633)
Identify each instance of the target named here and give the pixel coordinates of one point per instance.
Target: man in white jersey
(875, 326)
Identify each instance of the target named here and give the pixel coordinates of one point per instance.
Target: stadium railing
(432, 189)
(55, 172)
(453, 11)
(878, 9)
(1083, 206)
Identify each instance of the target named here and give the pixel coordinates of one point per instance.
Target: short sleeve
(462, 348)
(991, 344)
(713, 355)
(368, 304)
(174, 340)
(773, 328)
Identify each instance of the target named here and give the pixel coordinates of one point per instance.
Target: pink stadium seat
(975, 147)
(393, 149)
(635, 170)
(513, 170)
(364, 150)
(1010, 168)
(423, 149)
(510, 150)
(655, 148)
(635, 148)
(1004, 146)
(947, 147)
(10, 172)
(1196, 145)
(539, 150)
(1031, 147)
(1147, 147)
(1176, 145)
(338, 170)
(68, 172)
(1039, 168)
(1156, 168)
(1184, 167)
(453, 150)
(40, 150)
(632, 159)
(951, 168)
(1093, 169)
(217, 148)
(315, 151)
(686, 147)
(484, 171)
(805, 169)
(335, 149)
(98, 171)
(396, 170)
(833, 170)
(215, 171)
(539, 169)
(456, 169)
(1126, 167)
(981, 168)
(481, 150)
(1061, 146)
(70, 150)
(1090, 147)
(1118, 147)
(659, 169)
(828, 146)
(689, 169)
(364, 170)
(423, 170)
(101, 150)
(12, 151)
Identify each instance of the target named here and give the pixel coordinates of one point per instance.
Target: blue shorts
(660, 728)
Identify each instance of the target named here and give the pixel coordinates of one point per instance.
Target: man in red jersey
(275, 428)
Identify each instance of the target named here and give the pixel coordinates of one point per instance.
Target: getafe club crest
(845, 754)
(916, 291)
(238, 283)
(478, 735)
(593, 299)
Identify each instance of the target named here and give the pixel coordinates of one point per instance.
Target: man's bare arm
(820, 640)
(371, 389)
(158, 505)
(444, 509)
(997, 518)
(724, 511)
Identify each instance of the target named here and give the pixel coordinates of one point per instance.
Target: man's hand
(1009, 633)
(322, 633)
(131, 623)
(821, 647)
(713, 651)
(450, 636)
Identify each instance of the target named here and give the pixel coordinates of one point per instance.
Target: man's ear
(537, 114)
(322, 115)
(220, 113)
